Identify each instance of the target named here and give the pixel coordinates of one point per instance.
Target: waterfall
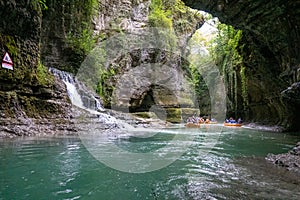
(73, 94)
(82, 97)
(79, 95)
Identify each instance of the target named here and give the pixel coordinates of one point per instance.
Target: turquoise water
(233, 168)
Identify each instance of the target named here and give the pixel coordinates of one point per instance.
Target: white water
(74, 95)
(93, 105)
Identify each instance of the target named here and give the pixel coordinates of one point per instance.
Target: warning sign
(7, 63)
(7, 58)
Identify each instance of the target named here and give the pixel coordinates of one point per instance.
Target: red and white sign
(7, 63)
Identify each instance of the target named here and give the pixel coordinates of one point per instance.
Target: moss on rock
(174, 115)
(147, 115)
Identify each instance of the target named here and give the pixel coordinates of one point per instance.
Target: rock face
(270, 40)
(66, 33)
(70, 29)
(143, 66)
(28, 90)
(61, 36)
(121, 15)
(161, 88)
(290, 160)
(271, 37)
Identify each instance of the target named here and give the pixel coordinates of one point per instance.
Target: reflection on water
(68, 165)
(234, 168)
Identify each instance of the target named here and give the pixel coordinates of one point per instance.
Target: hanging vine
(244, 87)
(225, 49)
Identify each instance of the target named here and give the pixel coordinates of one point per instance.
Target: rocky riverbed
(79, 120)
(83, 121)
(290, 160)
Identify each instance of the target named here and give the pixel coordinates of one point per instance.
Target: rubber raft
(233, 124)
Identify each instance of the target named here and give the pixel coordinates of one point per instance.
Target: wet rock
(290, 160)
(291, 99)
(296, 150)
(292, 93)
(79, 122)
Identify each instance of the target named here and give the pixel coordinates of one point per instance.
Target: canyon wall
(63, 35)
(28, 90)
(271, 39)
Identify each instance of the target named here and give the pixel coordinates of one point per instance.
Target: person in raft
(233, 121)
(239, 121)
(191, 120)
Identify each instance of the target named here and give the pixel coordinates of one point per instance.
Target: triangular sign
(7, 58)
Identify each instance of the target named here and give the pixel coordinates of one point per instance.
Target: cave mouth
(144, 104)
(156, 99)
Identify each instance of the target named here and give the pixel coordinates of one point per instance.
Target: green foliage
(200, 62)
(225, 48)
(159, 16)
(80, 11)
(104, 89)
(184, 18)
(39, 4)
(43, 76)
(43, 4)
(10, 44)
(92, 67)
(96, 75)
(244, 86)
(83, 41)
(80, 31)
(172, 16)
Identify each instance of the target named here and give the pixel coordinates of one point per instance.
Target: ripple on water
(226, 166)
(254, 178)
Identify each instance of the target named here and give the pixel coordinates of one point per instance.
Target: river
(232, 168)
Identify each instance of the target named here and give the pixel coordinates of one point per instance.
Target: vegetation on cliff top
(174, 18)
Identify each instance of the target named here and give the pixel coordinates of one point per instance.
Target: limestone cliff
(62, 36)
(271, 39)
(28, 90)
(149, 73)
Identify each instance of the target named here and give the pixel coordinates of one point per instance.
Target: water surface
(234, 168)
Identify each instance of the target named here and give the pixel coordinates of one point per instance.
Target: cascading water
(82, 97)
(74, 95)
